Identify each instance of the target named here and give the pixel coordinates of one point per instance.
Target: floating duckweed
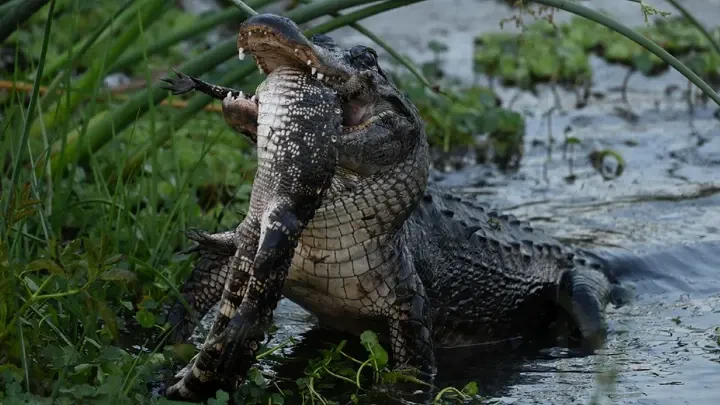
(544, 53)
(541, 54)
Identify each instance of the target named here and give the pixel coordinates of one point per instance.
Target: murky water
(659, 222)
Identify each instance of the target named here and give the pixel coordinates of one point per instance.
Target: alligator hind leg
(204, 287)
(236, 335)
(584, 293)
(411, 324)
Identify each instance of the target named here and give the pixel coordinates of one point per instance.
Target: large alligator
(384, 250)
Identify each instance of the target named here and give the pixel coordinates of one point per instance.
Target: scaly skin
(296, 161)
(384, 251)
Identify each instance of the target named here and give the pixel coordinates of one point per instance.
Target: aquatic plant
(559, 53)
(540, 54)
(634, 36)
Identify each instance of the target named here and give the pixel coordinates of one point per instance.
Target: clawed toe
(181, 85)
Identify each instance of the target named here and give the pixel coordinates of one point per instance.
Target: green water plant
(541, 54)
(551, 52)
(634, 36)
(469, 114)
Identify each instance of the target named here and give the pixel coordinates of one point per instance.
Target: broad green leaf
(145, 319)
(470, 388)
(45, 264)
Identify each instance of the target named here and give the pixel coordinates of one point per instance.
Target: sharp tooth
(313, 71)
(308, 62)
(229, 95)
(249, 33)
(320, 76)
(253, 99)
(296, 50)
(241, 95)
(241, 55)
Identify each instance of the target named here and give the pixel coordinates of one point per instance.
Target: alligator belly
(342, 314)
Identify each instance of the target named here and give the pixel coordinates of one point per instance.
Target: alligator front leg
(281, 233)
(239, 110)
(411, 324)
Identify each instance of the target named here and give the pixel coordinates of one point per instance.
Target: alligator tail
(584, 293)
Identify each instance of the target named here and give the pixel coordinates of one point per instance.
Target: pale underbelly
(347, 315)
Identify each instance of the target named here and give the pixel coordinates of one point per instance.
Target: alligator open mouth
(276, 41)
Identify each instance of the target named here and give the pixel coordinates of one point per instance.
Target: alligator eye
(323, 40)
(363, 57)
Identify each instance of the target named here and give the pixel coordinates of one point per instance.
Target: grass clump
(464, 117)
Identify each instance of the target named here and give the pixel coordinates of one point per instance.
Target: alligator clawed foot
(181, 85)
(240, 343)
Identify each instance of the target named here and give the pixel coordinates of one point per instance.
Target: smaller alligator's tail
(584, 293)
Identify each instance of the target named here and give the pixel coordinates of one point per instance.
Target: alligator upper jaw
(277, 41)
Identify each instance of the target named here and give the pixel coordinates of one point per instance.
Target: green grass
(97, 189)
(85, 263)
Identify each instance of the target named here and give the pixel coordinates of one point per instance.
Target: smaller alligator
(425, 268)
(296, 162)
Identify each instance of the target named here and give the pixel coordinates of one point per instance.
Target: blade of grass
(202, 25)
(634, 36)
(31, 110)
(150, 12)
(18, 15)
(121, 15)
(244, 7)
